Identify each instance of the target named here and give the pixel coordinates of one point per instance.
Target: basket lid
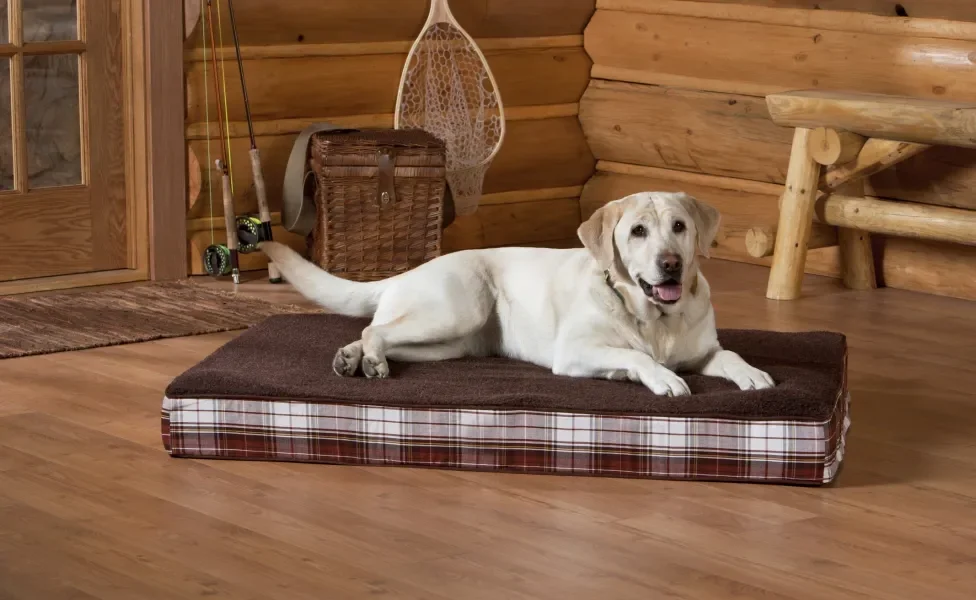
(398, 138)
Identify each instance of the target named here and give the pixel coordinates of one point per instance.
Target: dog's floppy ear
(706, 218)
(597, 233)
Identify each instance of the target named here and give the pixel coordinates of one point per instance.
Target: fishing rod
(248, 234)
(216, 257)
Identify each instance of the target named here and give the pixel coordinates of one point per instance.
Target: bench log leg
(856, 255)
(795, 221)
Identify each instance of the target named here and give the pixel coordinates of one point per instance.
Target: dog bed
(271, 394)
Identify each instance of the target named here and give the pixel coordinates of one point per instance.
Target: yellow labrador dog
(631, 305)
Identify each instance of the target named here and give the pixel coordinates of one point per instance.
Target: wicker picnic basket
(379, 201)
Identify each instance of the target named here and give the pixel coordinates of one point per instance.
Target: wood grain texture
(903, 219)
(74, 280)
(91, 506)
(759, 59)
(167, 154)
(856, 248)
(794, 222)
(373, 48)
(875, 156)
(832, 20)
(106, 136)
(832, 146)
(719, 134)
(514, 225)
(929, 267)
(760, 241)
(903, 119)
(46, 234)
(316, 22)
(731, 135)
(359, 85)
(536, 154)
(136, 143)
(200, 131)
(741, 210)
(954, 10)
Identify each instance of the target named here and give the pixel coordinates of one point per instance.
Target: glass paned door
(62, 150)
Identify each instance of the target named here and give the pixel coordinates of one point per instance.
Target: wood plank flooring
(92, 507)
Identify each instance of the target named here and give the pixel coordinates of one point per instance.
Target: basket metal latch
(386, 192)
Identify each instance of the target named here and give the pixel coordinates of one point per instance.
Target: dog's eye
(638, 231)
(678, 226)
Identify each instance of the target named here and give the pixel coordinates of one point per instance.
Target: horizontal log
(199, 131)
(832, 15)
(724, 183)
(830, 146)
(517, 197)
(288, 88)
(371, 48)
(536, 154)
(718, 134)
(875, 156)
(761, 241)
(741, 206)
(760, 59)
(318, 22)
(731, 135)
(901, 219)
(514, 225)
(903, 119)
(930, 267)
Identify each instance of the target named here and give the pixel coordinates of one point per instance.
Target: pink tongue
(669, 292)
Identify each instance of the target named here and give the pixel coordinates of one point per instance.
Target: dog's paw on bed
(347, 359)
(376, 368)
(749, 378)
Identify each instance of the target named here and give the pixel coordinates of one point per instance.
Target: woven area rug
(109, 317)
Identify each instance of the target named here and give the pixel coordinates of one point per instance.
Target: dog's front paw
(664, 382)
(376, 368)
(748, 377)
(347, 359)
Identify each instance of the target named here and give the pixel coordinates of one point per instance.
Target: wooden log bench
(840, 139)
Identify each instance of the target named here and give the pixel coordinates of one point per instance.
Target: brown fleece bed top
(289, 357)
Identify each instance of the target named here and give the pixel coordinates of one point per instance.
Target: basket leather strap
(386, 192)
(297, 195)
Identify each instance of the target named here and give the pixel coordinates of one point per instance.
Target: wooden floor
(92, 507)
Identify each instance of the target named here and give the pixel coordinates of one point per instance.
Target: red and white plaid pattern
(773, 451)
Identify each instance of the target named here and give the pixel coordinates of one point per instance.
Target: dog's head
(651, 240)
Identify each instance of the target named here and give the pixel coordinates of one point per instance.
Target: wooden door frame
(165, 139)
(155, 153)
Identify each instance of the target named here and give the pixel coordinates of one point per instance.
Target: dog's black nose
(670, 264)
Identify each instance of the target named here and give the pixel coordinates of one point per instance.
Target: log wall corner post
(795, 220)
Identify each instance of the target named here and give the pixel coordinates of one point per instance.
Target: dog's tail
(349, 298)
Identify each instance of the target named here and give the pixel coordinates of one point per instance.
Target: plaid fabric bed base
(643, 446)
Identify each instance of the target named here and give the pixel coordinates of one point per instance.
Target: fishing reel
(250, 232)
(216, 260)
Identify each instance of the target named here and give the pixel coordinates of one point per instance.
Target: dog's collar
(609, 279)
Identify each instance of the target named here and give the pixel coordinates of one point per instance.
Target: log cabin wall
(676, 103)
(309, 61)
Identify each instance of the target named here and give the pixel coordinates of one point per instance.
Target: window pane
(53, 124)
(6, 134)
(4, 38)
(50, 20)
